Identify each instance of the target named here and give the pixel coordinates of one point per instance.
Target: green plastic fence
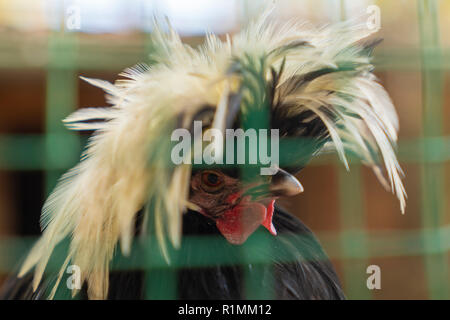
(59, 149)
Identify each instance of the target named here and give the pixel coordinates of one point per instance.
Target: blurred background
(45, 45)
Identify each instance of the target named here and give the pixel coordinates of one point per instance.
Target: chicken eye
(211, 181)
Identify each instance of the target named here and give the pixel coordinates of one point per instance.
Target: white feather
(95, 203)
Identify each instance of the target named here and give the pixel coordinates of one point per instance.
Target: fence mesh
(353, 246)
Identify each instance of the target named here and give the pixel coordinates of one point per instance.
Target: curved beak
(281, 184)
(284, 184)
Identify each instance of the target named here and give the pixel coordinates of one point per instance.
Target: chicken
(315, 86)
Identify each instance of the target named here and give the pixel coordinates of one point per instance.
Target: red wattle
(267, 223)
(238, 224)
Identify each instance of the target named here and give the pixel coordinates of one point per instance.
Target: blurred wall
(26, 39)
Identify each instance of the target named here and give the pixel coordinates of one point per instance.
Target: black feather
(309, 276)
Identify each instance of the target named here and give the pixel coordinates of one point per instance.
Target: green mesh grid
(58, 149)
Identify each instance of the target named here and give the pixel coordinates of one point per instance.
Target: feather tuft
(324, 89)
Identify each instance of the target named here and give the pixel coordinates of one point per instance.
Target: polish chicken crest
(315, 85)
